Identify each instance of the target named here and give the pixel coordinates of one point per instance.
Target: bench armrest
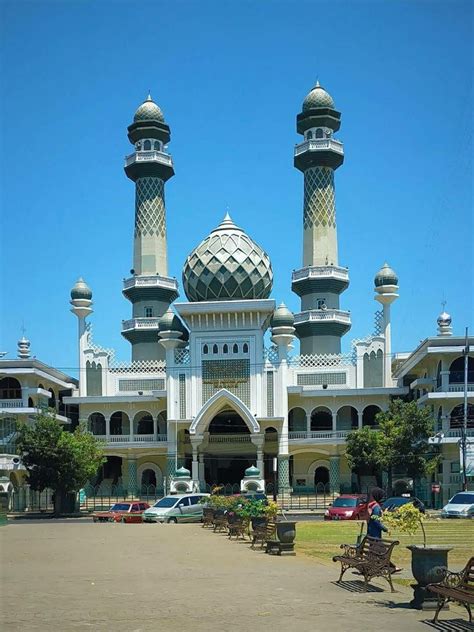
(350, 550)
(450, 580)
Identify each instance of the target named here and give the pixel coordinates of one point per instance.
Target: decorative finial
(318, 85)
(444, 322)
(23, 346)
(149, 96)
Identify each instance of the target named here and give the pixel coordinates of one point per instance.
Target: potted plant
(429, 562)
(254, 510)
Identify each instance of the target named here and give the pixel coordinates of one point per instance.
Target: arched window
(297, 420)
(119, 424)
(10, 388)
(138, 146)
(147, 145)
(319, 133)
(321, 419)
(143, 424)
(245, 348)
(456, 371)
(162, 425)
(235, 348)
(438, 375)
(457, 416)
(97, 424)
(215, 349)
(309, 135)
(369, 414)
(156, 145)
(52, 399)
(205, 350)
(225, 349)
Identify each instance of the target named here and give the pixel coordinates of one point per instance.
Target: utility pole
(464, 424)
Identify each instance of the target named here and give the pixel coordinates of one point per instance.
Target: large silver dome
(227, 265)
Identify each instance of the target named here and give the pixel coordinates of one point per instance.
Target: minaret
(320, 324)
(149, 289)
(386, 288)
(81, 301)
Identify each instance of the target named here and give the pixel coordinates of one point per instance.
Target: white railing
(321, 271)
(457, 433)
(455, 388)
(151, 281)
(11, 403)
(140, 323)
(145, 438)
(318, 436)
(319, 145)
(229, 438)
(148, 156)
(335, 315)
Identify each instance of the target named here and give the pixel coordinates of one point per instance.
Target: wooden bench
(263, 533)
(238, 528)
(457, 587)
(220, 523)
(371, 558)
(207, 517)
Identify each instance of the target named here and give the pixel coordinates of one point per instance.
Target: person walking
(375, 526)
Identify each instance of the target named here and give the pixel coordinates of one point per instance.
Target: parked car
(177, 508)
(390, 504)
(461, 505)
(122, 512)
(348, 507)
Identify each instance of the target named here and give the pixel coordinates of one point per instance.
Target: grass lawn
(322, 539)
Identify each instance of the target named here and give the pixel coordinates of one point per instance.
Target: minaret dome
(318, 98)
(148, 111)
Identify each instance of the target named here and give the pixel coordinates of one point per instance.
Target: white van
(178, 508)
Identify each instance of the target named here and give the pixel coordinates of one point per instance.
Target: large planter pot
(286, 531)
(428, 565)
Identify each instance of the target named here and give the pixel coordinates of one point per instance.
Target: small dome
(81, 290)
(170, 322)
(148, 111)
(318, 98)
(227, 265)
(182, 473)
(252, 471)
(385, 276)
(24, 348)
(282, 317)
(444, 319)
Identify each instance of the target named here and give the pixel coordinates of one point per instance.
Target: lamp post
(275, 469)
(464, 424)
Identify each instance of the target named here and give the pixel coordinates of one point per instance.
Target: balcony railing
(330, 435)
(320, 145)
(137, 438)
(312, 272)
(320, 315)
(11, 403)
(140, 323)
(151, 281)
(148, 156)
(229, 438)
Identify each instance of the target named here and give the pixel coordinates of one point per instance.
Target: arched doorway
(321, 478)
(230, 450)
(321, 419)
(148, 479)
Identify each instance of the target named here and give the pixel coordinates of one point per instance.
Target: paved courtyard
(62, 576)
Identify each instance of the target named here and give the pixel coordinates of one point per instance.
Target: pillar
(284, 473)
(170, 469)
(360, 418)
(334, 473)
(334, 421)
(132, 482)
(155, 427)
(195, 464)
(202, 477)
(260, 461)
(131, 429)
(107, 428)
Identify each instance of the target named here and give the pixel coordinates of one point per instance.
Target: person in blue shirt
(375, 525)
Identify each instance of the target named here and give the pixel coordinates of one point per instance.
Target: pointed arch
(222, 399)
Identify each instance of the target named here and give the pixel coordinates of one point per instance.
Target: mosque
(206, 398)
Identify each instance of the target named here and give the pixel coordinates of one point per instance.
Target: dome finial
(23, 346)
(444, 322)
(318, 85)
(148, 97)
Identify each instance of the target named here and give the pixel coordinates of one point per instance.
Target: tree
(404, 432)
(363, 452)
(56, 459)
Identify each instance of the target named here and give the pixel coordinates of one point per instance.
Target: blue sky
(230, 78)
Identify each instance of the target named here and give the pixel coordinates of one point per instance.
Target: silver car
(177, 508)
(461, 505)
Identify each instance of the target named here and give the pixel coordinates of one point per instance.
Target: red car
(122, 512)
(348, 507)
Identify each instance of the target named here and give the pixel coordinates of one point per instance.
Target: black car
(398, 501)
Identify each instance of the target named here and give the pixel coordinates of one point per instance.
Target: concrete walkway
(134, 578)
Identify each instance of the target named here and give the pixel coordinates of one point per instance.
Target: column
(334, 421)
(130, 429)
(195, 464)
(308, 424)
(202, 477)
(170, 469)
(107, 428)
(360, 418)
(132, 482)
(334, 473)
(260, 461)
(155, 427)
(284, 473)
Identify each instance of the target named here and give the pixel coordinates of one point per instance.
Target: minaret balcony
(323, 322)
(319, 152)
(143, 164)
(151, 287)
(134, 324)
(319, 279)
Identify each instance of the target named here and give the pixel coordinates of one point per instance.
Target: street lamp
(275, 469)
